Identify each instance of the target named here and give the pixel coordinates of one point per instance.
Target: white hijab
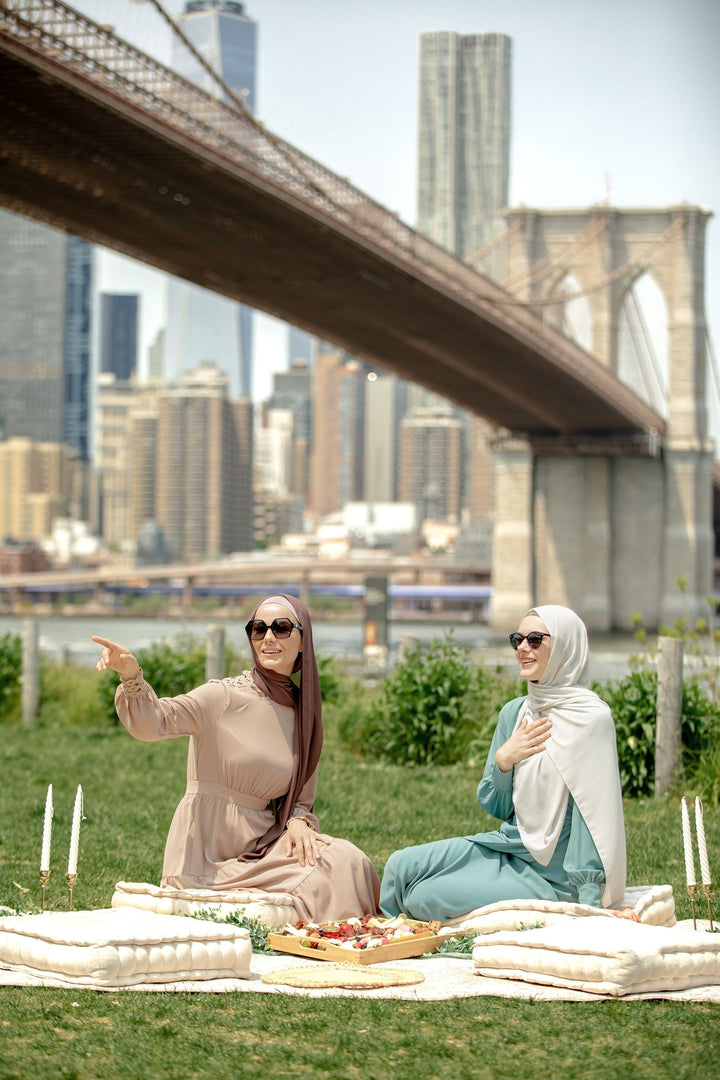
(580, 757)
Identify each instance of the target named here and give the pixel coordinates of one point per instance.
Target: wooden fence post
(30, 678)
(215, 653)
(668, 736)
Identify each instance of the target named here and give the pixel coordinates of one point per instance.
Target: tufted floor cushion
(653, 904)
(123, 947)
(272, 909)
(602, 956)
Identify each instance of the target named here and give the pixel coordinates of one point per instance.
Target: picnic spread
(538, 950)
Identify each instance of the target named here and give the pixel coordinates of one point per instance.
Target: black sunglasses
(534, 639)
(256, 629)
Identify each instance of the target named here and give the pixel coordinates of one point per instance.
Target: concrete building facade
(293, 390)
(204, 501)
(385, 403)
(39, 482)
(430, 466)
(336, 470)
(117, 444)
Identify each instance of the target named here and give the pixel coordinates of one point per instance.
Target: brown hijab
(305, 699)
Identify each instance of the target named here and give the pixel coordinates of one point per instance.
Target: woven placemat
(342, 976)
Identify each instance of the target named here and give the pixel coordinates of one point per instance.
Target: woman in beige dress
(246, 819)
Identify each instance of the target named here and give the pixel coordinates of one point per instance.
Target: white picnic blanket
(444, 978)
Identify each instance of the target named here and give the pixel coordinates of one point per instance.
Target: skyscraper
(204, 498)
(45, 310)
(202, 326)
(464, 122)
(385, 401)
(463, 138)
(293, 390)
(336, 469)
(430, 473)
(118, 442)
(118, 334)
(301, 346)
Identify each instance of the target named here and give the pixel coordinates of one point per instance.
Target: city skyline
(607, 103)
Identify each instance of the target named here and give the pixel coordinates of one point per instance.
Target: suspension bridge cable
(635, 267)
(501, 238)
(559, 256)
(280, 146)
(635, 327)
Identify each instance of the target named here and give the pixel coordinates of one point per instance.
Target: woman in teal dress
(552, 779)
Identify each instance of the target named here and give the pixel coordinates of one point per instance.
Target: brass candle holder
(44, 878)
(708, 890)
(71, 880)
(692, 891)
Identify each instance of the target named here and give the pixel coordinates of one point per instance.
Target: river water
(68, 637)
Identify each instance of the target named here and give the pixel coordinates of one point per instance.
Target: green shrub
(10, 674)
(435, 707)
(705, 777)
(633, 701)
(351, 717)
(701, 745)
(68, 695)
(332, 680)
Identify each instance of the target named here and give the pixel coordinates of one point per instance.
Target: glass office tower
(45, 309)
(204, 327)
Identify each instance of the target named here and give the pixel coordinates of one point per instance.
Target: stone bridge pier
(609, 524)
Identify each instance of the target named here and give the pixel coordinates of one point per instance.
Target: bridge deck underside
(74, 156)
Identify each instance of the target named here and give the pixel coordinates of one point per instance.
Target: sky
(610, 99)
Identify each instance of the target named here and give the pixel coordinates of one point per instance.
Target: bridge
(413, 580)
(102, 141)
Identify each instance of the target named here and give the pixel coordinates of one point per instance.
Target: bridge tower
(608, 525)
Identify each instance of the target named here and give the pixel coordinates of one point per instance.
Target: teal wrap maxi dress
(449, 878)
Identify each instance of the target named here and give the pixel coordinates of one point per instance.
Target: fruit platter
(370, 939)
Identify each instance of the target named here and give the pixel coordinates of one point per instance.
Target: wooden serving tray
(324, 949)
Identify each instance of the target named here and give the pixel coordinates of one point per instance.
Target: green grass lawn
(131, 790)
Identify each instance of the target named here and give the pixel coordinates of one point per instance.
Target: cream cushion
(654, 905)
(123, 947)
(602, 956)
(271, 909)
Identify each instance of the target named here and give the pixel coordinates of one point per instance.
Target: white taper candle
(47, 831)
(687, 844)
(702, 846)
(75, 834)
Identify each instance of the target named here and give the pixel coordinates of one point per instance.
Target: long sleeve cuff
(589, 887)
(502, 781)
(301, 811)
(132, 687)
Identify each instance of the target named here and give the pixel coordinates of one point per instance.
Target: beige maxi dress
(240, 757)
